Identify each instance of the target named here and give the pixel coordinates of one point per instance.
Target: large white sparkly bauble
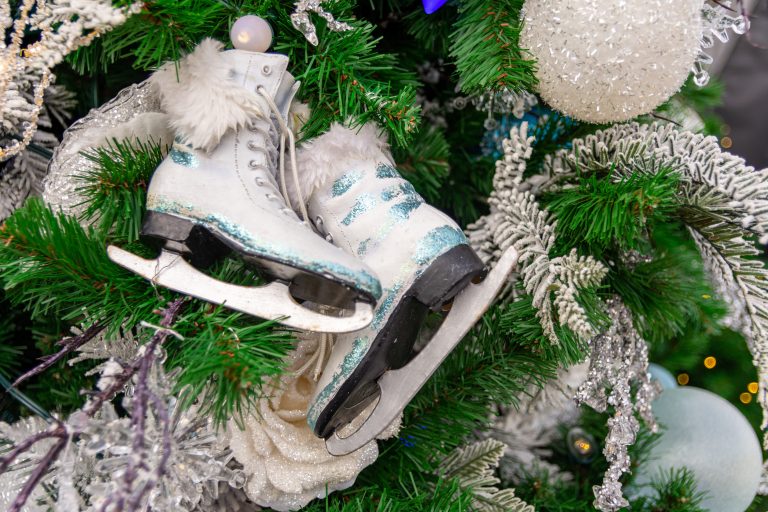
(286, 465)
(611, 60)
(710, 437)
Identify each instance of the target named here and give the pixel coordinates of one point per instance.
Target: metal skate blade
(272, 301)
(398, 387)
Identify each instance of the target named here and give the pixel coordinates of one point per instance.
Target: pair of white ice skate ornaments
(340, 228)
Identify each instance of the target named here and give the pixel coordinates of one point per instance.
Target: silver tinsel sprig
(498, 102)
(618, 359)
(157, 457)
(302, 21)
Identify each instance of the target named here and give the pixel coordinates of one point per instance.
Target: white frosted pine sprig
(473, 466)
(724, 203)
(22, 175)
(59, 28)
(516, 220)
(529, 429)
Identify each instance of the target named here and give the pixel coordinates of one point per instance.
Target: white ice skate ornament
(398, 387)
(222, 188)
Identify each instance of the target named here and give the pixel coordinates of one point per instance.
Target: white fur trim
(333, 153)
(200, 97)
(150, 126)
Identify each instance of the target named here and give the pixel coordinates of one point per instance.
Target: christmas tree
(387, 255)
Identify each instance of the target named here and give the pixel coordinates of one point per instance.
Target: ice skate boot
(216, 194)
(423, 261)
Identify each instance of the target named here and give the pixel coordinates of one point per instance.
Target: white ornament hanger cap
(252, 34)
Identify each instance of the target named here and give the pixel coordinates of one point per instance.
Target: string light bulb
(710, 362)
(683, 379)
(581, 445)
(753, 387)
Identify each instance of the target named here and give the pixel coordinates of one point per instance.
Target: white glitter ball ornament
(710, 437)
(611, 60)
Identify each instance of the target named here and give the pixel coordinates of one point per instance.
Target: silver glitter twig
(304, 24)
(619, 358)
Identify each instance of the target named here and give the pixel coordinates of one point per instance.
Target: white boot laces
(285, 131)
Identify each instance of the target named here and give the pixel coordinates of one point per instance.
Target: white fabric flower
(286, 464)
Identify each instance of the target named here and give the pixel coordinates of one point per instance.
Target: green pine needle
(115, 191)
(601, 212)
(9, 352)
(487, 50)
(424, 162)
(225, 359)
(54, 266)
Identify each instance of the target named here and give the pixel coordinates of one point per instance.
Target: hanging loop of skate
(286, 132)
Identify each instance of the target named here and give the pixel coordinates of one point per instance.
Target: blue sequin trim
(342, 185)
(384, 171)
(184, 158)
(364, 203)
(436, 242)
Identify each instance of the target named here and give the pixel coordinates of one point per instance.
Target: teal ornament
(431, 6)
(708, 435)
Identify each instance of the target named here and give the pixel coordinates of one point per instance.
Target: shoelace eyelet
(259, 182)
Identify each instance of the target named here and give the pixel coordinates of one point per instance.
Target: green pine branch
(601, 212)
(53, 266)
(424, 162)
(344, 79)
(115, 190)
(10, 352)
(225, 359)
(485, 45)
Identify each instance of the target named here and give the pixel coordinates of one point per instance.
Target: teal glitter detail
(342, 185)
(254, 247)
(405, 188)
(386, 305)
(351, 361)
(384, 171)
(184, 158)
(436, 242)
(402, 211)
(363, 247)
(364, 203)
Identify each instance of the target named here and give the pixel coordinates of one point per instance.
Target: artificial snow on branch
(473, 466)
(530, 429)
(723, 202)
(62, 27)
(22, 175)
(516, 220)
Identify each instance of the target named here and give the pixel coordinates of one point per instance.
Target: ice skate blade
(398, 387)
(272, 301)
